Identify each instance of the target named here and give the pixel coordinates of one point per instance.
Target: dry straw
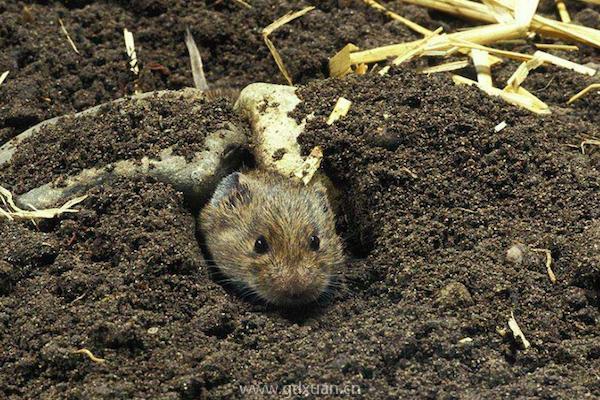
(481, 60)
(446, 67)
(589, 142)
(3, 76)
(310, 166)
(412, 25)
(584, 92)
(196, 62)
(13, 212)
(276, 25)
(562, 11)
(517, 332)
(130, 49)
(66, 33)
(341, 108)
(553, 46)
(544, 26)
(509, 22)
(549, 270)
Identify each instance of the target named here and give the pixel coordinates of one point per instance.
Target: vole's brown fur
(287, 214)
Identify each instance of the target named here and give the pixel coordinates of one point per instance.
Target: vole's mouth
(293, 297)
(293, 301)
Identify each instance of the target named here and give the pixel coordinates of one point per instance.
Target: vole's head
(273, 237)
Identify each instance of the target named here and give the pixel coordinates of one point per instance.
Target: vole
(273, 237)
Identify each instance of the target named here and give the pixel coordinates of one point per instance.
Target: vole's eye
(261, 246)
(314, 243)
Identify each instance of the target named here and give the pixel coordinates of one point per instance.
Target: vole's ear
(233, 189)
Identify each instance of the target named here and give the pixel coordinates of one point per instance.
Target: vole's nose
(296, 284)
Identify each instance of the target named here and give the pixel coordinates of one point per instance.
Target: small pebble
(454, 294)
(515, 254)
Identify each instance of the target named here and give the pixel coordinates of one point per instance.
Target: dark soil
(48, 78)
(119, 131)
(427, 269)
(438, 241)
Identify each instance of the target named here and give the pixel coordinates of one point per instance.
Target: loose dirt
(433, 200)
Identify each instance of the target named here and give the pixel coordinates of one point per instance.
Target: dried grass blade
(516, 99)
(481, 61)
(13, 211)
(562, 11)
(195, 61)
(3, 76)
(272, 27)
(66, 33)
(279, 22)
(552, 46)
(561, 62)
(130, 48)
(410, 24)
(446, 67)
(517, 332)
(584, 92)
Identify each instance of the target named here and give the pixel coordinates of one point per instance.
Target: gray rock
(196, 178)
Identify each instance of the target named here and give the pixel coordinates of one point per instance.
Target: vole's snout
(299, 286)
